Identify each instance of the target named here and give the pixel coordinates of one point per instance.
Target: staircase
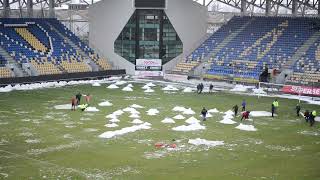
(91, 63)
(17, 68)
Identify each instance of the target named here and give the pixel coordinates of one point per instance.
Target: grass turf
(66, 145)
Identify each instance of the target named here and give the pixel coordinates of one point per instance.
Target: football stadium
(160, 89)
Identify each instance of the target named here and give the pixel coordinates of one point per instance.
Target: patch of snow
(63, 106)
(192, 120)
(128, 89)
(91, 109)
(170, 88)
(32, 141)
(246, 127)
(199, 142)
(145, 87)
(239, 88)
(119, 83)
(152, 112)
(118, 112)
(258, 91)
(317, 119)
(179, 116)
(111, 134)
(149, 90)
(150, 84)
(96, 84)
(112, 116)
(312, 133)
(136, 121)
(114, 120)
(91, 130)
(130, 85)
(112, 86)
(260, 114)
(227, 118)
(105, 103)
(179, 109)
(134, 116)
(191, 127)
(129, 109)
(136, 106)
(188, 89)
(188, 111)
(215, 110)
(168, 121)
(112, 125)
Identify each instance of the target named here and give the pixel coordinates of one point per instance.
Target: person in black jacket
(235, 109)
(204, 114)
(273, 108)
(298, 108)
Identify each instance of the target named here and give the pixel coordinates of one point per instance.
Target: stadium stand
(271, 42)
(45, 45)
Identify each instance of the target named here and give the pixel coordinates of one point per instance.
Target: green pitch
(40, 142)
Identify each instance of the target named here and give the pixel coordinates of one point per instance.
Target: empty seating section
(100, 61)
(36, 41)
(44, 67)
(5, 72)
(31, 39)
(185, 67)
(265, 42)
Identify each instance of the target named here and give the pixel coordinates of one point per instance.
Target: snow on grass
(111, 134)
(317, 119)
(239, 88)
(215, 110)
(63, 107)
(168, 121)
(152, 112)
(188, 111)
(145, 87)
(119, 83)
(170, 88)
(179, 116)
(112, 86)
(199, 142)
(91, 109)
(150, 84)
(312, 133)
(130, 85)
(188, 90)
(245, 127)
(283, 148)
(192, 120)
(114, 120)
(32, 141)
(91, 130)
(112, 125)
(227, 118)
(127, 89)
(260, 114)
(258, 91)
(111, 116)
(55, 148)
(179, 109)
(190, 127)
(134, 116)
(96, 84)
(137, 121)
(149, 90)
(136, 106)
(105, 103)
(118, 112)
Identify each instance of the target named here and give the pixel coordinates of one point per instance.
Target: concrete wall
(108, 17)
(106, 21)
(189, 19)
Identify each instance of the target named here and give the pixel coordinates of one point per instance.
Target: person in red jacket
(74, 103)
(245, 115)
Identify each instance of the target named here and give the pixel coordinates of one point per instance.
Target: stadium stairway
(93, 65)
(287, 68)
(17, 68)
(204, 65)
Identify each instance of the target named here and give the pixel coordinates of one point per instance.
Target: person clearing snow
(204, 113)
(73, 103)
(245, 115)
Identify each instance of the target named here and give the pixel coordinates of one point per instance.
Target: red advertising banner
(303, 90)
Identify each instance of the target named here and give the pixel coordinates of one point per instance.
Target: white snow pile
(239, 88)
(227, 118)
(119, 83)
(188, 89)
(136, 106)
(136, 121)
(96, 84)
(192, 120)
(112, 116)
(114, 120)
(105, 103)
(246, 127)
(118, 112)
(91, 109)
(260, 114)
(128, 89)
(191, 127)
(145, 87)
(112, 125)
(134, 116)
(112, 86)
(188, 111)
(179, 109)
(168, 121)
(208, 115)
(130, 85)
(63, 106)
(149, 90)
(317, 119)
(215, 110)
(199, 142)
(152, 112)
(170, 88)
(131, 110)
(111, 134)
(150, 84)
(259, 91)
(179, 116)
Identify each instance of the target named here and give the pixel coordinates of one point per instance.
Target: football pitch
(40, 141)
